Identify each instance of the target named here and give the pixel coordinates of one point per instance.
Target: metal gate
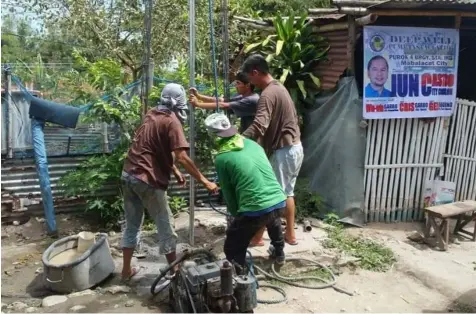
(460, 154)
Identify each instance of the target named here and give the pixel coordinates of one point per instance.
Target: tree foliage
(124, 113)
(293, 53)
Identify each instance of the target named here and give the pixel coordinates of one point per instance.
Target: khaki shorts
(286, 163)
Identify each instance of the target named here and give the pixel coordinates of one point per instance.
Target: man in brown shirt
(276, 127)
(146, 174)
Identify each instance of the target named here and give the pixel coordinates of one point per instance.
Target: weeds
(372, 256)
(177, 204)
(308, 204)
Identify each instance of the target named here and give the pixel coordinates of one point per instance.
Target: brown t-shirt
(276, 123)
(149, 158)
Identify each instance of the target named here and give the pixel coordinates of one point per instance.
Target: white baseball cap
(219, 124)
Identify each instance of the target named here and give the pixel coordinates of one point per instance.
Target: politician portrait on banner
(409, 72)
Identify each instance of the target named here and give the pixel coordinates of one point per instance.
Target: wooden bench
(464, 211)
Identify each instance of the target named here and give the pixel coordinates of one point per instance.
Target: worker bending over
(250, 188)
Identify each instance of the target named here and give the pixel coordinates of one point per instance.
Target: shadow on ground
(466, 303)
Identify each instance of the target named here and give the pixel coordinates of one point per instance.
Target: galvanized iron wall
(21, 189)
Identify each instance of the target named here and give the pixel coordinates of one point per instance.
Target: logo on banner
(377, 43)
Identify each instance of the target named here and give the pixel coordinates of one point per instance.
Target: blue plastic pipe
(41, 162)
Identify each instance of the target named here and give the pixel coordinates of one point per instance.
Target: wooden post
(8, 101)
(458, 21)
(105, 138)
(351, 44)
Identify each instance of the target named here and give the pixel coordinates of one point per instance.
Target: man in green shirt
(252, 193)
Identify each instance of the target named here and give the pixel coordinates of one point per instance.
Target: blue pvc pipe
(41, 162)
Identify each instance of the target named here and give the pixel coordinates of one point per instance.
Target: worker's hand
(211, 187)
(193, 91)
(180, 177)
(193, 100)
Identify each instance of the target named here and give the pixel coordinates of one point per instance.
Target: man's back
(276, 119)
(247, 179)
(149, 158)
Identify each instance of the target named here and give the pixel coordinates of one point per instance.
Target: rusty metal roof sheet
(330, 71)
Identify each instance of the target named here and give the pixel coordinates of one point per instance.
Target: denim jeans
(138, 196)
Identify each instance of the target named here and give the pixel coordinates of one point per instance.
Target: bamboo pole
(374, 210)
(323, 11)
(460, 152)
(368, 160)
(398, 171)
(358, 3)
(450, 145)
(393, 176)
(386, 204)
(472, 160)
(366, 20)
(353, 11)
(381, 179)
(370, 177)
(416, 182)
(409, 177)
(391, 172)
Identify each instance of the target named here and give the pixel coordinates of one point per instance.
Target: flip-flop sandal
(291, 243)
(135, 271)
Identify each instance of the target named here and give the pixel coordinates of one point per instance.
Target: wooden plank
(452, 209)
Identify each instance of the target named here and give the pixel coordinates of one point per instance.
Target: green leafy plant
(371, 255)
(308, 204)
(293, 53)
(331, 219)
(177, 204)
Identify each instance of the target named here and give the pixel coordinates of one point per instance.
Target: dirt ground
(422, 279)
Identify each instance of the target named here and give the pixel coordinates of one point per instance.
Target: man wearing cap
(276, 127)
(146, 174)
(251, 191)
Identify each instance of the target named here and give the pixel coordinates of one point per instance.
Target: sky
(9, 7)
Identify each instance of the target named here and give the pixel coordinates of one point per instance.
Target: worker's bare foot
(291, 240)
(257, 243)
(128, 274)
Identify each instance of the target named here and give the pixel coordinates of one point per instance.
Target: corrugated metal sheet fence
(20, 184)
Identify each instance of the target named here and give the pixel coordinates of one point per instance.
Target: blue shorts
(286, 163)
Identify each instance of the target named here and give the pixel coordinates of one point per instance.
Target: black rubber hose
(213, 206)
(186, 255)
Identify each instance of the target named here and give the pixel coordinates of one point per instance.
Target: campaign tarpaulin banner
(409, 72)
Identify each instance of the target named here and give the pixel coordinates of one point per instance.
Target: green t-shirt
(246, 177)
